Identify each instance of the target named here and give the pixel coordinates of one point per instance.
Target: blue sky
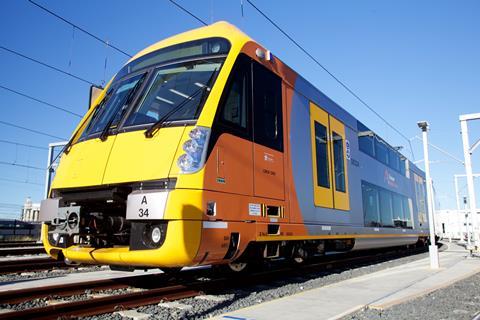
(410, 60)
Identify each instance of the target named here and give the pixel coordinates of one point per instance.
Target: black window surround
(149, 70)
(244, 73)
(391, 209)
(371, 144)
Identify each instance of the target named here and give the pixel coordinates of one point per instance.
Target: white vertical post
(468, 170)
(457, 198)
(433, 250)
(456, 192)
(50, 168)
(48, 173)
(468, 220)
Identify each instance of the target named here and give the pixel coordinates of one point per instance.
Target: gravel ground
(52, 273)
(195, 308)
(458, 301)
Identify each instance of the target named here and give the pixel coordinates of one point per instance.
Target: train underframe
(91, 227)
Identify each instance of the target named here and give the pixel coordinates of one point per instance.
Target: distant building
(452, 224)
(30, 210)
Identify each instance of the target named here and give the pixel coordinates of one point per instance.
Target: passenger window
(365, 139)
(407, 212)
(394, 160)
(398, 214)
(381, 151)
(338, 161)
(421, 199)
(370, 206)
(321, 149)
(267, 108)
(386, 208)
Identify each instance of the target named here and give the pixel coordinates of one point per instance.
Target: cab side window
(267, 108)
(235, 108)
(235, 111)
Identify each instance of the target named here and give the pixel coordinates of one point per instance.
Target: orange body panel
(229, 166)
(268, 173)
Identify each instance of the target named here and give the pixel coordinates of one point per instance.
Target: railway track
(30, 265)
(156, 288)
(18, 251)
(18, 244)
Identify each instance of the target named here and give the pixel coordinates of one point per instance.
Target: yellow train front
(197, 150)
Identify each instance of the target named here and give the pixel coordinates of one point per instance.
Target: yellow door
(339, 168)
(322, 164)
(329, 159)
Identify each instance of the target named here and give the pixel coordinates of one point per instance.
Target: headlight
(156, 235)
(195, 150)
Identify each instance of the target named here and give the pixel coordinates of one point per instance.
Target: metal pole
(458, 201)
(48, 174)
(468, 220)
(456, 193)
(433, 250)
(470, 185)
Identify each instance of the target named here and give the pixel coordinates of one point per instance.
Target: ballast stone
(133, 314)
(176, 305)
(211, 298)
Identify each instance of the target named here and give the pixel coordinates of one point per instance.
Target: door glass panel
(267, 108)
(338, 162)
(398, 217)
(321, 149)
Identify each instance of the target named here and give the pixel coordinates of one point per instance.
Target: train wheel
(231, 268)
(238, 266)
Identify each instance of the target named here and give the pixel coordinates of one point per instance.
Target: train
(207, 149)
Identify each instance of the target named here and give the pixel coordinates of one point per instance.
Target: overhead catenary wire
(31, 130)
(22, 144)
(21, 181)
(189, 13)
(40, 101)
(21, 165)
(47, 65)
(345, 86)
(80, 28)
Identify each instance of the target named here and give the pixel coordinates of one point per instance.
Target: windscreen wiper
(157, 125)
(66, 147)
(103, 136)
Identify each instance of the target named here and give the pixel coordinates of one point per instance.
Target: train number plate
(146, 205)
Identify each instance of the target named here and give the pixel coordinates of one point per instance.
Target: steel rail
(100, 305)
(69, 289)
(35, 264)
(19, 244)
(95, 306)
(17, 251)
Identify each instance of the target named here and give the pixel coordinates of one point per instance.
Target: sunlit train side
(205, 148)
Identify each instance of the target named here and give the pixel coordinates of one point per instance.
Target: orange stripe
(343, 236)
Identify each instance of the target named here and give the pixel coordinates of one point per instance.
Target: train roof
(238, 40)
